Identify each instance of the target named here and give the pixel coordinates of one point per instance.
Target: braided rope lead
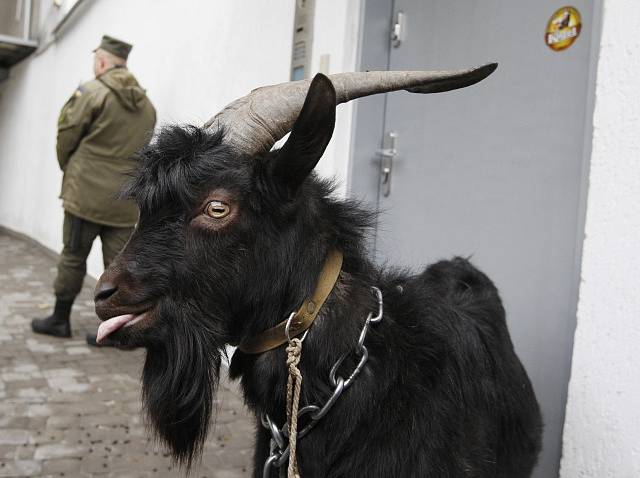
(294, 384)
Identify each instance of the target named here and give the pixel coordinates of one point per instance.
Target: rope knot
(294, 351)
(294, 384)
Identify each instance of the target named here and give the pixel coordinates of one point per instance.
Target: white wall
(193, 57)
(602, 426)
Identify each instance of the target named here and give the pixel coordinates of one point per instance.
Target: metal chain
(279, 446)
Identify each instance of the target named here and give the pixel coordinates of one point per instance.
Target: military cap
(116, 47)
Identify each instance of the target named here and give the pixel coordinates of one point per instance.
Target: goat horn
(253, 123)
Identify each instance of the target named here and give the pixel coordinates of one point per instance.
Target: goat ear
(309, 137)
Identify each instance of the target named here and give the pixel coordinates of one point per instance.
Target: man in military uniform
(100, 128)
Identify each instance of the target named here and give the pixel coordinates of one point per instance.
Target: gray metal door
(495, 171)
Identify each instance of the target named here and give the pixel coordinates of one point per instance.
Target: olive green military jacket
(100, 129)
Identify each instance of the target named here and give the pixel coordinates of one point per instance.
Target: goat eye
(216, 209)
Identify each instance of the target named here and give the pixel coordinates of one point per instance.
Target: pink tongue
(114, 323)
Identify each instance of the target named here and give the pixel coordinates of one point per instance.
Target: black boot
(57, 324)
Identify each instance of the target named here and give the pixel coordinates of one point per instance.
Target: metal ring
(286, 327)
(327, 406)
(356, 371)
(302, 412)
(288, 324)
(363, 333)
(334, 369)
(354, 374)
(307, 429)
(282, 459)
(275, 432)
(307, 409)
(266, 469)
(378, 293)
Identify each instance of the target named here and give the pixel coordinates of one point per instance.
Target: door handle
(397, 30)
(386, 176)
(387, 156)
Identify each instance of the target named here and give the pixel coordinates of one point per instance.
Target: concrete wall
(602, 426)
(192, 57)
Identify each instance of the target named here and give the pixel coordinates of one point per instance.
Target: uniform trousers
(78, 236)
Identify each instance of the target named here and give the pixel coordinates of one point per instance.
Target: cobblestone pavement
(70, 410)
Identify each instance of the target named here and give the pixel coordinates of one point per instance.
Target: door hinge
(398, 29)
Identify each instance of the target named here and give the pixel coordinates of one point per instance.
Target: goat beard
(179, 381)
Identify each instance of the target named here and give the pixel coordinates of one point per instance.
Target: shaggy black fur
(443, 394)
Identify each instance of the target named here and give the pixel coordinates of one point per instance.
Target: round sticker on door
(563, 28)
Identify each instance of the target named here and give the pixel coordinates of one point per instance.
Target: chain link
(279, 447)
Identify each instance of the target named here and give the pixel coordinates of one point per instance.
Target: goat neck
(334, 332)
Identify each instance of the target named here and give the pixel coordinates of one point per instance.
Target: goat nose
(104, 290)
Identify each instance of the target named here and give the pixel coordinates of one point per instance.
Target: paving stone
(125, 474)
(7, 452)
(24, 452)
(19, 468)
(37, 383)
(38, 411)
(95, 464)
(62, 421)
(13, 422)
(62, 466)
(10, 436)
(26, 368)
(45, 436)
(57, 450)
(78, 350)
(67, 409)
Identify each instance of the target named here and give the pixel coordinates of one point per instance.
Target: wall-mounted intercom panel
(302, 39)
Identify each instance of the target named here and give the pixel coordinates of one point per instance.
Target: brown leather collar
(306, 314)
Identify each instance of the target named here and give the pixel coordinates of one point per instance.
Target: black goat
(232, 239)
